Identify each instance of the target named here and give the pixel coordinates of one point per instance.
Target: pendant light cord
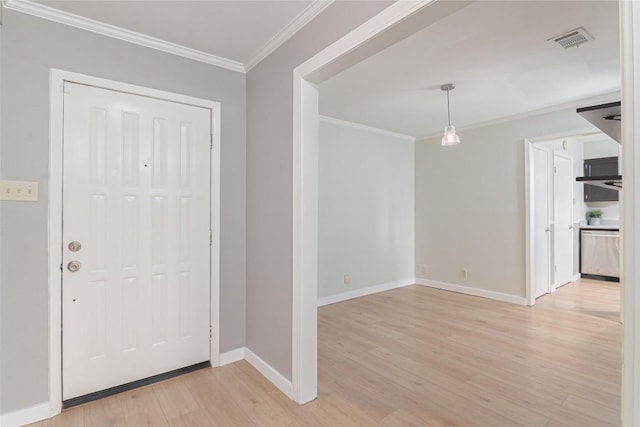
(448, 109)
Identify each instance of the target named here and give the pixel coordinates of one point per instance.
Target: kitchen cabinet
(604, 166)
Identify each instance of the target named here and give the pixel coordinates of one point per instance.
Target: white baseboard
(332, 299)
(576, 277)
(276, 378)
(24, 416)
(232, 356)
(514, 299)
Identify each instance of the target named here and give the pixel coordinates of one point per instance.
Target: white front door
(542, 220)
(136, 199)
(563, 218)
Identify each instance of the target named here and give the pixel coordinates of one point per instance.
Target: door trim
(630, 215)
(57, 79)
(530, 204)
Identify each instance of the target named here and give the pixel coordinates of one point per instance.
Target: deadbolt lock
(75, 246)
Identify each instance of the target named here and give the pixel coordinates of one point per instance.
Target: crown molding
(365, 128)
(61, 17)
(295, 25)
(602, 98)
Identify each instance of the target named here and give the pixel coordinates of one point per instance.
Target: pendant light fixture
(450, 137)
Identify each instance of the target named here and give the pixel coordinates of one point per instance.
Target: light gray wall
(269, 179)
(365, 208)
(470, 203)
(30, 47)
(604, 148)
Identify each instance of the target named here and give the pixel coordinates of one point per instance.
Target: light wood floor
(415, 357)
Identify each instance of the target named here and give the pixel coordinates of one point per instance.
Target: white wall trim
(304, 375)
(54, 228)
(25, 416)
(214, 209)
(304, 330)
(289, 30)
(356, 293)
(576, 277)
(529, 245)
(232, 356)
(66, 18)
(365, 128)
(593, 100)
(283, 384)
(630, 215)
(578, 133)
(57, 79)
(498, 296)
(361, 35)
(77, 21)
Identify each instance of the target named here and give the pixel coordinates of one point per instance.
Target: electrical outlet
(23, 191)
(464, 273)
(347, 279)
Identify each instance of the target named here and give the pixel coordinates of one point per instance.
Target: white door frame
(305, 194)
(529, 205)
(57, 79)
(630, 215)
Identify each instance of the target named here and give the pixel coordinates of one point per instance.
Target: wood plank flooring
(414, 356)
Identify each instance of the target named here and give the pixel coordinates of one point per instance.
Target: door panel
(137, 197)
(542, 230)
(563, 218)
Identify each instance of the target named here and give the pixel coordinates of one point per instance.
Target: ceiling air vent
(572, 38)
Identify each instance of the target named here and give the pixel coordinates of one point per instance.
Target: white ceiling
(235, 30)
(497, 55)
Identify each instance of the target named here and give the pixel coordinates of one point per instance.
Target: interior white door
(136, 199)
(542, 219)
(563, 218)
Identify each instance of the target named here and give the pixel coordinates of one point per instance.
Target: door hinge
(211, 141)
(210, 237)
(63, 89)
(210, 333)
(555, 169)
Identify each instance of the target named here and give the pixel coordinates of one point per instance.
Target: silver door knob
(74, 266)
(75, 246)
(547, 230)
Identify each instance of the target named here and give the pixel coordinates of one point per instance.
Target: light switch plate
(23, 191)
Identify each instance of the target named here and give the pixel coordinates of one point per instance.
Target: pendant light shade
(450, 136)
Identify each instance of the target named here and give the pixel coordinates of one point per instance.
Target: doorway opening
(559, 209)
(312, 72)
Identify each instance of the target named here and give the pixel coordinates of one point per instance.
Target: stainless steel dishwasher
(600, 254)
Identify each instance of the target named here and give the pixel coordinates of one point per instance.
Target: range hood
(612, 182)
(607, 118)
